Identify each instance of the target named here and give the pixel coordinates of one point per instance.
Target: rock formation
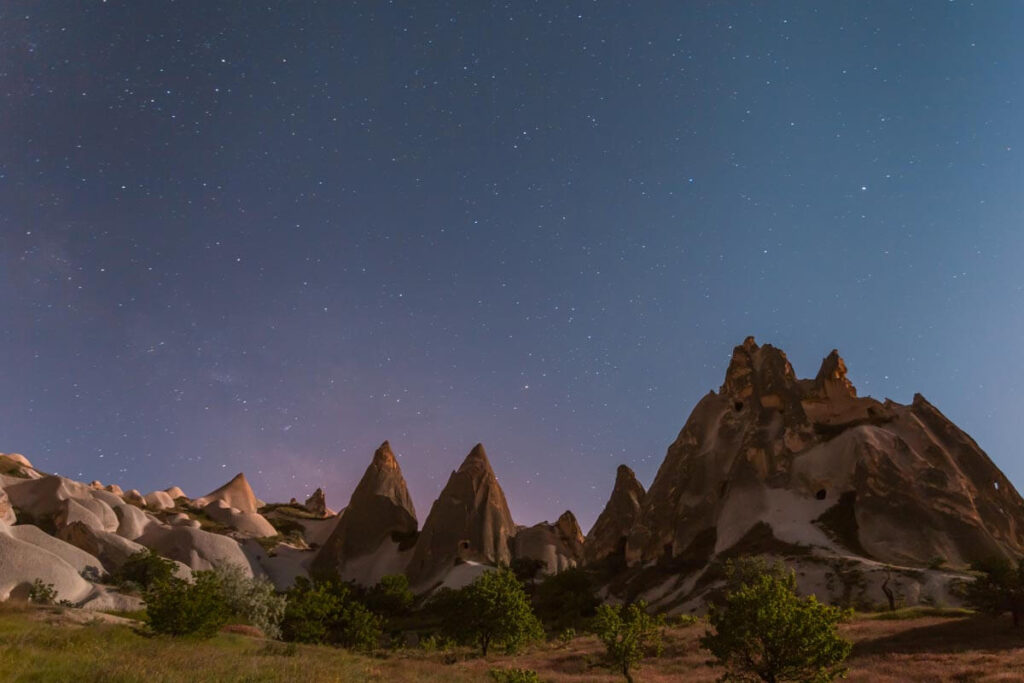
(317, 503)
(559, 546)
(771, 459)
(380, 518)
(607, 538)
(469, 522)
(236, 493)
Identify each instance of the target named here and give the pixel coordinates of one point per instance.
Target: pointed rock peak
(476, 458)
(833, 371)
(569, 527)
(384, 458)
(236, 493)
(624, 476)
(755, 368)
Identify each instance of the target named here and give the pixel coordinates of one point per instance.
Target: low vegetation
(629, 634)
(493, 609)
(763, 631)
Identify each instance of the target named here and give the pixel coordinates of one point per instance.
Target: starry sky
(265, 237)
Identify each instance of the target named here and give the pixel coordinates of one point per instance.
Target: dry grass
(926, 648)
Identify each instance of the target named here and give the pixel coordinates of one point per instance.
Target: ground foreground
(53, 644)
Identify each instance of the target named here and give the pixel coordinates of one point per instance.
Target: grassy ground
(47, 645)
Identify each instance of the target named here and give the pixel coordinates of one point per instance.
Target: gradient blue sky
(265, 237)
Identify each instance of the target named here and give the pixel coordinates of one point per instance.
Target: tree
(254, 599)
(492, 609)
(391, 596)
(629, 634)
(566, 599)
(177, 607)
(764, 631)
(144, 569)
(328, 612)
(999, 589)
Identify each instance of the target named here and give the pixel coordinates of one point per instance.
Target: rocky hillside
(865, 498)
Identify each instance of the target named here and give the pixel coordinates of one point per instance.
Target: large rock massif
(853, 492)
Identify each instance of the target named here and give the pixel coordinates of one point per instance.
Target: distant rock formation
(559, 546)
(317, 503)
(607, 538)
(380, 513)
(236, 493)
(469, 522)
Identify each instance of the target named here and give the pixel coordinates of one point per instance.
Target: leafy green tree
(566, 599)
(177, 607)
(629, 634)
(144, 569)
(764, 631)
(492, 609)
(328, 612)
(391, 596)
(999, 589)
(253, 598)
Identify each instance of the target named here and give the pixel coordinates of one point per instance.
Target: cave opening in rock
(820, 495)
(737, 406)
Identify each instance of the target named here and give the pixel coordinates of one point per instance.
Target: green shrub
(391, 596)
(42, 593)
(566, 599)
(176, 607)
(327, 612)
(629, 634)
(144, 569)
(492, 609)
(514, 676)
(999, 589)
(685, 620)
(764, 631)
(254, 599)
(567, 636)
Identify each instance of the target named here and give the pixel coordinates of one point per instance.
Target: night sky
(265, 237)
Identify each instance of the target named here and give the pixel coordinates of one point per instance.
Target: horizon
(267, 238)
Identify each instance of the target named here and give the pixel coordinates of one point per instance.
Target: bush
(254, 599)
(42, 593)
(178, 608)
(391, 597)
(492, 609)
(566, 599)
(629, 634)
(514, 676)
(144, 569)
(327, 612)
(765, 631)
(999, 589)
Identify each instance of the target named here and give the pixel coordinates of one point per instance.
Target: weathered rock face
(380, 511)
(814, 465)
(607, 538)
(317, 503)
(559, 546)
(470, 521)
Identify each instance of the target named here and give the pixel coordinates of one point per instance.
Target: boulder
(195, 548)
(158, 500)
(22, 562)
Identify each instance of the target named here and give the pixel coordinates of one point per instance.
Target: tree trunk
(626, 673)
(889, 595)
